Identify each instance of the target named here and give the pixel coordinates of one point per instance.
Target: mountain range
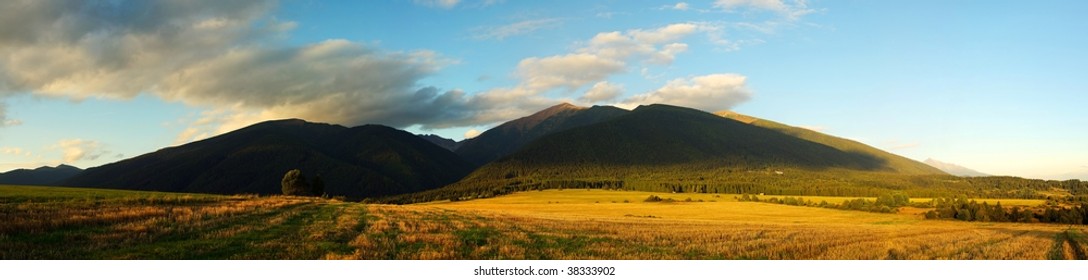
(43, 176)
(511, 136)
(650, 145)
(669, 148)
(369, 160)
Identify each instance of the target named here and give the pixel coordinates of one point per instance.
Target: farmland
(68, 223)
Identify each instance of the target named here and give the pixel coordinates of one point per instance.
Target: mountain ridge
(362, 161)
(669, 148)
(510, 136)
(43, 176)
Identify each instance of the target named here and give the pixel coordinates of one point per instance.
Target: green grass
(18, 194)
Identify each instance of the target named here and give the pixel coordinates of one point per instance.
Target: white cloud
(472, 133)
(570, 71)
(79, 149)
(656, 46)
(791, 10)
(14, 151)
(606, 54)
(709, 93)
(602, 92)
(445, 4)
(681, 6)
(514, 29)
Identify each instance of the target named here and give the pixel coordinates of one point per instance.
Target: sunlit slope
(890, 161)
(657, 139)
(675, 149)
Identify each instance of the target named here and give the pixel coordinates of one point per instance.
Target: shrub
(294, 183)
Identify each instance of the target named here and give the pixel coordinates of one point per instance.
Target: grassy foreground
(68, 223)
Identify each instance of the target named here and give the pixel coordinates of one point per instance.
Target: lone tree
(294, 183)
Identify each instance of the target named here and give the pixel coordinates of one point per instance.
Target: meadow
(70, 223)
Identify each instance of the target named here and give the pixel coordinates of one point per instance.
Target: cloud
(333, 81)
(472, 133)
(486, 3)
(791, 10)
(602, 92)
(13, 151)
(232, 60)
(4, 120)
(570, 71)
(709, 93)
(226, 57)
(657, 46)
(514, 29)
(681, 6)
(79, 149)
(445, 4)
(603, 56)
(119, 49)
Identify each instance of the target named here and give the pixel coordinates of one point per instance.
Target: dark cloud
(227, 56)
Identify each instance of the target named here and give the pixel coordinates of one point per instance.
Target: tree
(294, 183)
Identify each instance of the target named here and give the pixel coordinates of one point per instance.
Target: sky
(996, 86)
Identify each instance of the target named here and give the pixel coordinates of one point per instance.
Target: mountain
(667, 135)
(507, 138)
(669, 148)
(363, 161)
(443, 142)
(892, 162)
(954, 169)
(44, 176)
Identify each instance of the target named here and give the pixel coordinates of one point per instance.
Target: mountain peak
(512, 135)
(737, 116)
(561, 107)
(538, 117)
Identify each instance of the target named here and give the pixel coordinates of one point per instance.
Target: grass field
(67, 223)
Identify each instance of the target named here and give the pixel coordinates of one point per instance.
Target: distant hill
(512, 135)
(443, 142)
(364, 161)
(663, 148)
(43, 176)
(954, 169)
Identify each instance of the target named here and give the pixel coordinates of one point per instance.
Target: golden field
(65, 223)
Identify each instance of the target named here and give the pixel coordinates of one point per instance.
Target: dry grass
(46, 223)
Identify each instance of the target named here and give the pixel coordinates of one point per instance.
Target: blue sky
(997, 86)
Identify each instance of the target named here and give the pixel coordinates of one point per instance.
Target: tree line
(885, 203)
(791, 183)
(963, 209)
